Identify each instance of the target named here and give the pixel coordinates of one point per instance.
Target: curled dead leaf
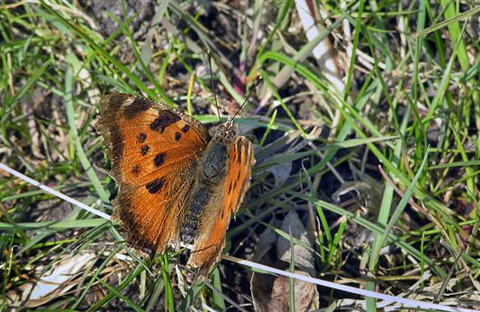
(51, 284)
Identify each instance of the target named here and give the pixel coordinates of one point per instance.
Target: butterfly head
(225, 133)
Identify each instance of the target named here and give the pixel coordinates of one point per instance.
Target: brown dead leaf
(272, 293)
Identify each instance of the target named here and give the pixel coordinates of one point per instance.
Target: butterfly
(175, 181)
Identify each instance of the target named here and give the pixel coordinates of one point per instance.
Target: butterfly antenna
(246, 100)
(209, 56)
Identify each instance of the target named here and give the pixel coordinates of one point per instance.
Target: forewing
(225, 202)
(154, 152)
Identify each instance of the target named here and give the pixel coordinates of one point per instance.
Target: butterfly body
(211, 173)
(175, 181)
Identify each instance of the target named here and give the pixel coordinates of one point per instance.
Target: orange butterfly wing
(225, 202)
(154, 151)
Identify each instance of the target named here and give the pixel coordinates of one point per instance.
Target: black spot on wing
(154, 186)
(144, 149)
(165, 118)
(178, 135)
(141, 137)
(137, 106)
(159, 159)
(185, 129)
(136, 170)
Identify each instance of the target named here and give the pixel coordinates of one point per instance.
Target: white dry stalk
(55, 193)
(324, 54)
